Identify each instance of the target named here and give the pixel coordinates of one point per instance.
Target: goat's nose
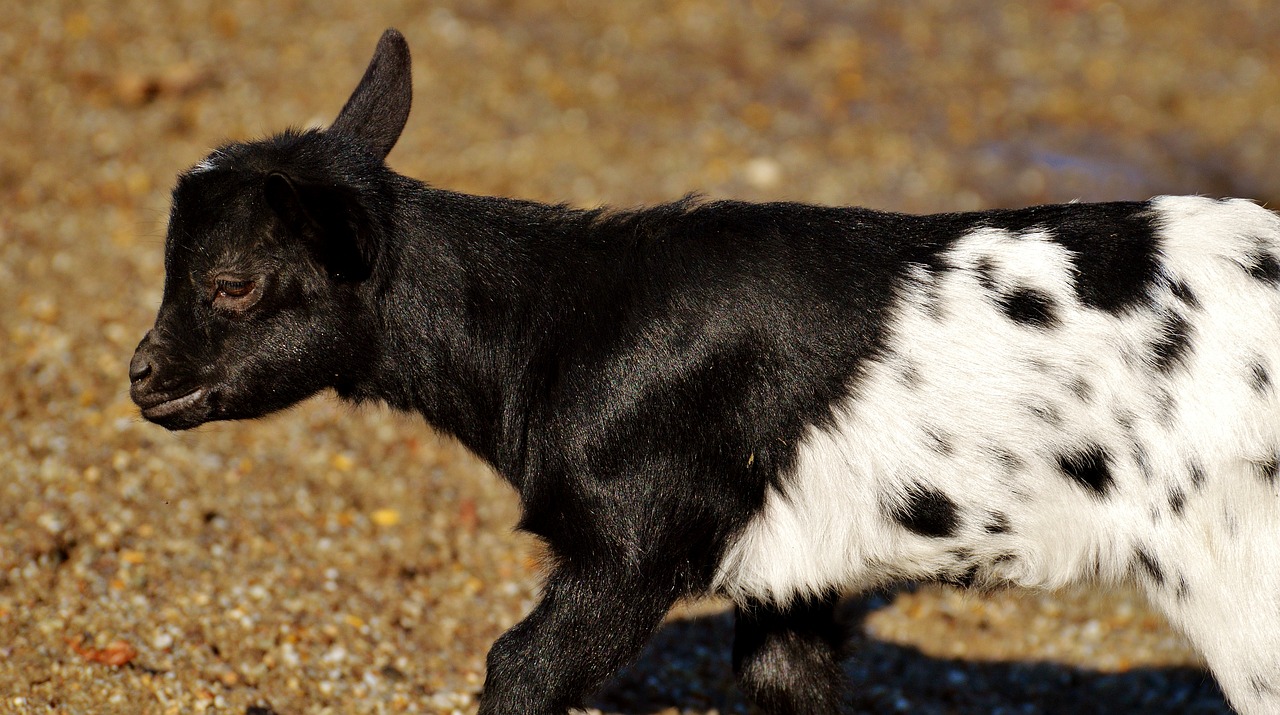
(139, 366)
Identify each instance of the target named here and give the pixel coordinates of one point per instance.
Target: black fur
(1183, 590)
(1196, 473)
(787, 660)
(1173, 345)
(997, 523)
(1029, 307)
(1150, 566)
(1263, 266)
(1089, 468)
(1183, 292)
(1268, 470)
(1259, 378)
(985, 271)
(927, 512)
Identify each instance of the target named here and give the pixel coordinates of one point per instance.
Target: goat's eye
(227, 288)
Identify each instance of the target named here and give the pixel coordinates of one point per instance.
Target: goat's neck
(469, 313)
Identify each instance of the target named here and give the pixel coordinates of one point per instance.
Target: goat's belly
(857, 513)
(1034, 446)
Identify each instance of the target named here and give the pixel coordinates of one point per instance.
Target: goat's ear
(330, 219)
(377, 110)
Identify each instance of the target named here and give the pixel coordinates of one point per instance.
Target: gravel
(340, 560)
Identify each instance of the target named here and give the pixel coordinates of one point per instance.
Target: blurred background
(334, 560)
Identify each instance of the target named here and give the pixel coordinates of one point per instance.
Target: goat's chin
(182, 412)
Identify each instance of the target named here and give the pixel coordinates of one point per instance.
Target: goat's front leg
(590, 622)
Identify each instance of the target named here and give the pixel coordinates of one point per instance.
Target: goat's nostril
(139, 367)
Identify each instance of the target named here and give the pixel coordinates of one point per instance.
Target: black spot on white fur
(1177, 501)
(1268, 469)
(1123, 417)
(1196, 473)
(1047, 413)
(1010, 462)
(1088, 467)
(1143, 462)
(1081, 388)
(939, 441)
(1165, 407)
(1040, 365)
(997, 523)
(1150, 566)
(1029, 306)
(1171, 347)
(927, 512)
(964, 579)
(985, 271)
(1262, 266)
(1259, 378)
(909, 377)
(1183, 292)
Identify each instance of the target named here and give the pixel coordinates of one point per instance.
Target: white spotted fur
(979, 375)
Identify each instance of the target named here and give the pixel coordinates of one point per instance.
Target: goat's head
(269, 248)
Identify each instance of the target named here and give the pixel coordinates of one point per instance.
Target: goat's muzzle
(172, 403)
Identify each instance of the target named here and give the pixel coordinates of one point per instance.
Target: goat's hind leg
(1224, 595)
(787, 659)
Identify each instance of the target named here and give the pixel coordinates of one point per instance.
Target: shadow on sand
(687, 669)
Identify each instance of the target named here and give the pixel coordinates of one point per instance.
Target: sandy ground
(330, 560)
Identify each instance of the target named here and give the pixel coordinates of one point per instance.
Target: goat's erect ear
(377, 110)
(330, 219)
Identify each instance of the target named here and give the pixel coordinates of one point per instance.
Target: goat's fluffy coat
(776, 402)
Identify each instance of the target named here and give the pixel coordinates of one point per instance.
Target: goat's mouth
(177, 412)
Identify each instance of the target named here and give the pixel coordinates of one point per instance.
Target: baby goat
(776, 402)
